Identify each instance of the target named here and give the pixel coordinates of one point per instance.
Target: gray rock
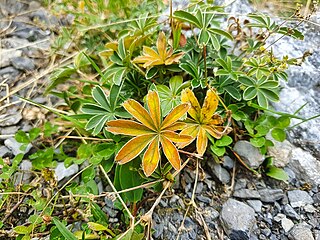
(305, 166)
(14, 146)
(228, 162)
(26, 167)
(62, 172)
(10, 119)
(271, 195)
(316, 198)
(4, 151)
(301, 232)
(221, 173)
(287, 224)
(237, 219)
(299, 198)
(246, 194)
(249, 154)
(11, 130)
(290, 212)
(6, 55)
(281, 152)
(240, 184)
(23, 63)
(309, 208)
(255, 204)
(14, 42)
(9, 73)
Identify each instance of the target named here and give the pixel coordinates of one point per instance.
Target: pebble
(290, 212)
(240, 184)
(305, 166)
(299, 198)
(4, 151)
(9, 73)
(309, 208)
(286, 224)
(227, 162)
(219, 172)
(316, 198)
(250, 154)
(281, 152)
(237, 219)
(7, 55)
(246, 194)
(14, 146)
(23, 63)
(255, 204)
(62, 172)
(301, 232)
(271, 195)
(10, 119)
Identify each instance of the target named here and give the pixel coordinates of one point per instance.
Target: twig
(13, 209)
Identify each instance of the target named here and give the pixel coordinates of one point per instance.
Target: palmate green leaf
(63, 230)
(99, 95)
(224, 141)
(219, 151)
(233, 92)
(250, 93)
(262, 99)
(187, 17)
(270, 94)
(221, 33)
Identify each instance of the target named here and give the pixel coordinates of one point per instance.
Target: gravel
(299, 198)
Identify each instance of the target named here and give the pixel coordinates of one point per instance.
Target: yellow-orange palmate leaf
(150, 132)
(162, 56)
(203, 120)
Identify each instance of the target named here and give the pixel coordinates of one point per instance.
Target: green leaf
(219, 151)
(234, 92)
(250, 93)
(34, 133)
(257, 141)
(100, 97)
(81, 61)
(175, 83)
(63, 230)
(84, 151)
(132, 179)
(283, 122)
(88, 174)
(114, 94)
(187, 17)
(22, 137)
(96, 226)
(277, 173)
(221, 33)
(22, 230)
(98, 215)
(224, 141)
(262, 100)
(278, 134)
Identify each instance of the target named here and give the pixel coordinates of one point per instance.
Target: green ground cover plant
(144, 102)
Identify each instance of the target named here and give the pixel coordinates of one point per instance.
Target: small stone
(281, 152)
(249, 154)
(204, 199)
(228, 162)
(6, 55)
(290, 212)
(237, 219)
(305, 166)
(11, 130)
(4, 151)
(309, 208)
(218, 171)
(286, 224)
(255, 204)
(10, 119)
(62, 172)
(9, 73)
(240, 184)
(271, 195)
(279, 217)
(23, 63)
(14, 146)
(246, 194)
(316, 198)
(299, 198)
(26, 167)
(301, 232)
(199, 187)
